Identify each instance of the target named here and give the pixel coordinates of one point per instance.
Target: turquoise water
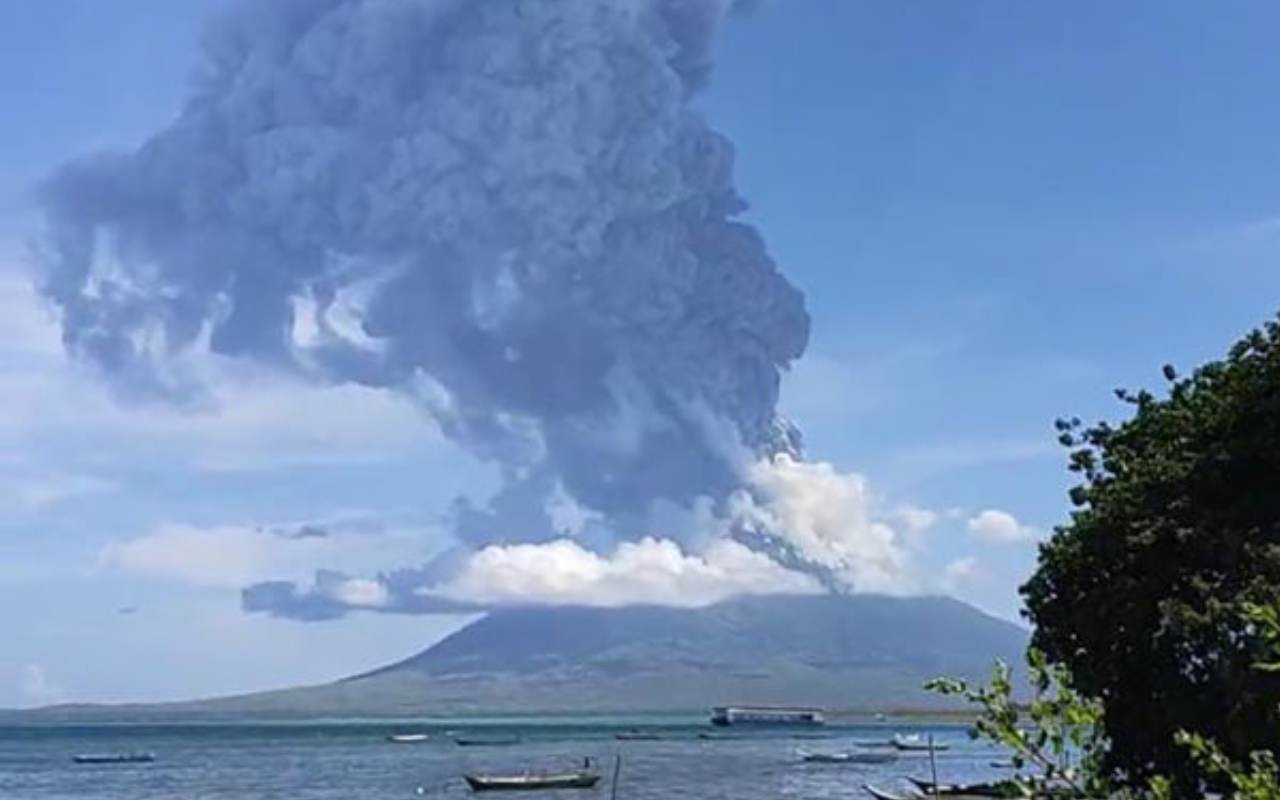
(354, 760)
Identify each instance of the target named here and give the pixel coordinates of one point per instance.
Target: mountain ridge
(857, 652)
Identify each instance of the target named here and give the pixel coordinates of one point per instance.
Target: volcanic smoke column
(505, 209)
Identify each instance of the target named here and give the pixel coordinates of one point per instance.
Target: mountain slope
(854, 652)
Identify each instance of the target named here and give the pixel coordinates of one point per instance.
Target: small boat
(881, 794)
(1003, 764)
(914, 743)
(407, 738)
(712, 736)
(847, 757)
(114, 758)
(966, 790)
(532, 781)
(636, 736)
(486, 741)
(810, 736)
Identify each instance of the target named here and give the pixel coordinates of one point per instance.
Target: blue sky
(999, 212)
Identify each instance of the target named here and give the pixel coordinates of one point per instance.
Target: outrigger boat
(526, 783)
(914, 743)
(584, 778)
(847, 757)
(636, 736)
(114, 758)
(881, 794)
(486, 741)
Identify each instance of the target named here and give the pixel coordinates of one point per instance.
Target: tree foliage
(1145, 595)
(1058, 727)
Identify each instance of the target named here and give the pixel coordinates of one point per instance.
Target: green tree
(1175, 534)
(1054, 739)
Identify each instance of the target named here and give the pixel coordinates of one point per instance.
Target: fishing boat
(407, 738)
(967, 790)
(915, 742)
(114, 758)
(847, 757)
(486, 741)
(533, 781)
(881, 794)
(712, 736)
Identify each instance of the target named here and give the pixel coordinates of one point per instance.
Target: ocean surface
(350, 760)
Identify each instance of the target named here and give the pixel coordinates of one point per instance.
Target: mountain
(862, 652)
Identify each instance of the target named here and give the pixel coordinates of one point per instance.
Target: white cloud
(255, 418)
(35, 688)
(958, 571)
(651, 570)
(830, 518)
(1000, 527)
(235, 556)
(31, 489)
(915, 519)
(27, 325)
(362, 593)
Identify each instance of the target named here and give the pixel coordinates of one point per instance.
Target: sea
(353, 759)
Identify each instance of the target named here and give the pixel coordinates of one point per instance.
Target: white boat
(767, 715)
(407, 738)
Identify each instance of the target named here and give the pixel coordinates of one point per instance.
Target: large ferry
(766, 715)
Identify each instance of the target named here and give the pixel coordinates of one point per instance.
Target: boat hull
(114, 758)
(464, 742)
(527, 783)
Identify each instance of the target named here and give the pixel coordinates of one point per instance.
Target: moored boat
(114, 758)
(967, 790)
(881, 794)
(533, 781)
(407, 738)
(767, 715)
(847, 757)
(486, 741)
(914, 742)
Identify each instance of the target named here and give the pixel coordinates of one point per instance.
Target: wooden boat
(847, 757)
(954, 790)
(407, 738)
(532, 781)
(881, 794)
(486, 741)
(914, 743)
(712, 736)
(114, 758)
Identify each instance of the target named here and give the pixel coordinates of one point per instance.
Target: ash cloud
(506, 210)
